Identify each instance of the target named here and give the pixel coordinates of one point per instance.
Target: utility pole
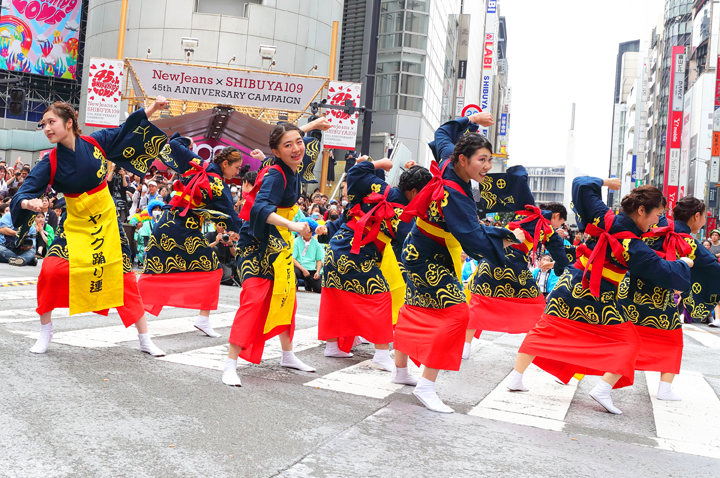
(370, 47)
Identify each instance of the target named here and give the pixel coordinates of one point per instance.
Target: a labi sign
(229, 87)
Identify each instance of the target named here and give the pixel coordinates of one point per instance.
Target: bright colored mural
(40, 36)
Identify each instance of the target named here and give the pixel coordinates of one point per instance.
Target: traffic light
(17, 101)
(315, 133)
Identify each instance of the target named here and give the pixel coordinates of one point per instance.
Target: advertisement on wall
(486, 82)
(40, 37)
(102, 108)
(343, 133)
(674, 132)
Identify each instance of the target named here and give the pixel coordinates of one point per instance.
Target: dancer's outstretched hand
(613, 184)
(257, 154)
(32, 204)
(483, 119)
(300, 227)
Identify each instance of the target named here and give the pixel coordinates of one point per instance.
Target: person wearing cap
(151, 195)
(715, 242)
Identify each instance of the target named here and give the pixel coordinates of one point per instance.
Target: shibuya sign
(223, 86)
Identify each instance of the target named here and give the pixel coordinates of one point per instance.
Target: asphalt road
(94, 406)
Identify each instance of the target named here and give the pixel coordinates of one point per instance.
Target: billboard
(41, 37)
(343, 132)
(102, 106)
(674, 131)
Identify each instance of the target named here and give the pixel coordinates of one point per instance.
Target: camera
(28, 241)
(226, 237)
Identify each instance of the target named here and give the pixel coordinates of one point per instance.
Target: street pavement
(94, 406)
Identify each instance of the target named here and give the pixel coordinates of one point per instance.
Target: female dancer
(178, 258)
(582, 330)
(652, 309)
(267, 301)
(90, 253)
(431, 325)
(497, 290)
(361, 272)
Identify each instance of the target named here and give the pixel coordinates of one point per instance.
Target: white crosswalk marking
(706, 338)
(544, 406)
(214, 357)
(364, 379)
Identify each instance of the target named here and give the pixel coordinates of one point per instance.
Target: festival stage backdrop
(40, 36)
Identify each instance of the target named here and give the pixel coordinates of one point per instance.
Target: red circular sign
(471, 110)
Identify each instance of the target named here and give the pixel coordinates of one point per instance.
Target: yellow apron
(96, 262)
(282, 304)
(391, 271)
(452, 244)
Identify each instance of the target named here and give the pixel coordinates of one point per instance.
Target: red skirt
(186, 290)
(564, 347)
(504, 314)
(249, 324)
(346, 314)
(53, 291)
(432, 337)
(661, 350)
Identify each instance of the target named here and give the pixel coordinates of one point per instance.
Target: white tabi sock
(202, 323)
(382, 359)
(467, 348)
(333, 350)
(601, 394)
(289, 360)
(230, 376)
(665, 392)
(403, 377)
(46, 335)
(514, 382)
(425, 392)
(147, 346)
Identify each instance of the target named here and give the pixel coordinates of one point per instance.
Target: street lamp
(189, 44)
(267, 52)
(314, 68)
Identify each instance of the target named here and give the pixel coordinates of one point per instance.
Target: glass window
(411, 104)
(413, 63)
(416, 22)
(392, 6)
(415, 41)
(391, 41)
(391, 22)
(418, 5)
(386, 84)
(386, 102)
(412, 85)
(388, 62)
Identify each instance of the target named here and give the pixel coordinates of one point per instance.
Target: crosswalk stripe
(706, 338)
(695, 419)
(544, 406)
(364, 378)
(214, 357)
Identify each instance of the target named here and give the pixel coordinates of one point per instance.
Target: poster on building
(674, 132)
(343, 133)
(102, 108)
(40, 37)
(233, 87)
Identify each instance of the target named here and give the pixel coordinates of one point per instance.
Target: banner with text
(674, 128)
(102, 107)
(343, 133)
(226, 87)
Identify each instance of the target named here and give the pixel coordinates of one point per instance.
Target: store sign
(492, 6)
(503, 124)
(489, 51)
(460, 88)
(462, 69)
(459, 105)
(226, 87)
(712, 197)
(102, 106)
(674, 131)
(343, 133)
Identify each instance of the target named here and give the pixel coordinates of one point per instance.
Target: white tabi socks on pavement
(425, 392)
(514, 382)
(230, 376)
(467, 348)
(202, 323)
(289, 360)
(665, 392)
(383, 360)
(403, 377)
(147, 346)
(601, 394)
(46, 335)
(332, 350)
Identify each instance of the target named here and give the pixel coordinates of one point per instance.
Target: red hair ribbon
(674, 245)
(383, 211)
(599, 253)
(433, 191)
(532, 213)
(200, 180)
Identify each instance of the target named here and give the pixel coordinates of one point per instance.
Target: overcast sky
(562, 52)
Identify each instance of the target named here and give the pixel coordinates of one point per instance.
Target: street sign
(470, 110)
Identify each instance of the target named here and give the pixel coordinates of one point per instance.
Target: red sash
(250, 197)
(674, 246)
(192, 191)
(433, 191)
(598, 256)
(367, 227)
(53, 156)
(532, 213)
